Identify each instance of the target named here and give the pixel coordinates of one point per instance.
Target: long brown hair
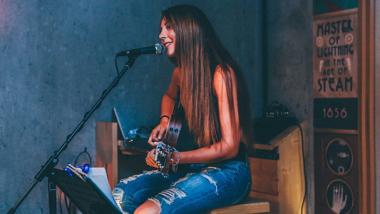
(198, 52)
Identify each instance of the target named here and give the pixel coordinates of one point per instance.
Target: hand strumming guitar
(159, 131)
(164, 157)
(155, 137)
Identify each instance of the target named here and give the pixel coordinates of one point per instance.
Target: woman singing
(212, 168)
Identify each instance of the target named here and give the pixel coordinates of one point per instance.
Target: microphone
(156, 49)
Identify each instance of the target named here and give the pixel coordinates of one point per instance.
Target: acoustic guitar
(166, 147)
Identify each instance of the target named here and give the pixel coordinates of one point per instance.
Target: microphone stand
(53, 159)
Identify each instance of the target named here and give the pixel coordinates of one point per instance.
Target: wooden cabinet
(281, 181)
(107, 151)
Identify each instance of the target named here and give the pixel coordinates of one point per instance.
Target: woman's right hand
(158, 132)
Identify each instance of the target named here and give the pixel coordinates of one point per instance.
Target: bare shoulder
(176, 76)
(223, 77)
(174, 84)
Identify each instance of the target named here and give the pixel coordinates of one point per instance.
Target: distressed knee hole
(212, 181)
(118, 194)
(170, 195)
(210, 168)
(180, 180)
(134, 177)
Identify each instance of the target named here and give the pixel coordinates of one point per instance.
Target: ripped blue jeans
(199, 188)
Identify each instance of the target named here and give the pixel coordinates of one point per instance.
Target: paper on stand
(99, 176)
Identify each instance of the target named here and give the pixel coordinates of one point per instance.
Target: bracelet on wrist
(164, 116)
(175, 158)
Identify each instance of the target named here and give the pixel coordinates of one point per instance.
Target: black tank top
(186, 140)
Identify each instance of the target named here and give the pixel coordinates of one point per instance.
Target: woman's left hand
(149, 159)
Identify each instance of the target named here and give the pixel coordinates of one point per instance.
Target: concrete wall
(288, 44)
(56, 57)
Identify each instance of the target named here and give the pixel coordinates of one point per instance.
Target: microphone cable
(305, 193)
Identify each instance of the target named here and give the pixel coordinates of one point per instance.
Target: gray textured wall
(288, 65)
(56, 57)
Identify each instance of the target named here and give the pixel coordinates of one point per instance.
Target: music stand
(85, 194)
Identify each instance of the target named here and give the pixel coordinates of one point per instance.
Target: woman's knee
(118, 194)
(124, 200)
(148, 207)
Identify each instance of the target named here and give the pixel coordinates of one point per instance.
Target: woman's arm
(167, 105)
(168, 99)
(228, 147)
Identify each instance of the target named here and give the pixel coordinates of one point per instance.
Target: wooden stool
(250, 205)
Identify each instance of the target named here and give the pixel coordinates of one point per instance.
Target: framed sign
(335, 53)
(336, 110)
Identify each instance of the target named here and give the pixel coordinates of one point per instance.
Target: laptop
(121, 123)
(133, 139)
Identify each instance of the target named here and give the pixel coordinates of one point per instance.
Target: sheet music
(99, 176)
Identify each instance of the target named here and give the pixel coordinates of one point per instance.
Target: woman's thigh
(214, 186)
(129, 193)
